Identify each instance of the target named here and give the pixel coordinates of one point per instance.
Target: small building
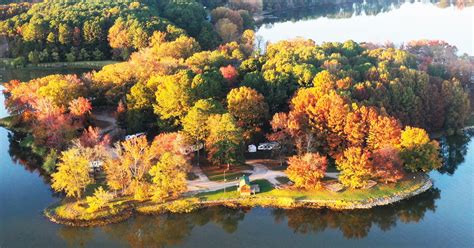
(245, 188)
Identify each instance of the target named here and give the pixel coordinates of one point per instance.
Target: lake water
(376, 21)
(441, 217)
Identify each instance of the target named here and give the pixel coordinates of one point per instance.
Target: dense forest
(361, 107)
(97, 30)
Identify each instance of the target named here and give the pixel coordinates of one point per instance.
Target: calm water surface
(378, 22)
(441, 217)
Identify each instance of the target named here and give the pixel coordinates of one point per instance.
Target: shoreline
(186, 205)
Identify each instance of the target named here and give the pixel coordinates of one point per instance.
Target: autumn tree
(72, 174)
(249, 109)
(169, 176)
(230, 74)
(224, 140)
(227, 30)
(307, 170)
(282, 135)
(355, 166)
(49, 117)
(92, 137)
(127, 171)
(195, 121)
(174, 97)
(99, 200)
(387, 165)
(417, 151)
(79, 109)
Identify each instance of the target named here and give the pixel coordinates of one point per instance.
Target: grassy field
(215, 173)
(77, 64)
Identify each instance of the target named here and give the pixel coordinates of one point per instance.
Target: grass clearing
(267, 190)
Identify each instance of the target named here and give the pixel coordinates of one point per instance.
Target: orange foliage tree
(249, 108)
(387, 165)
(230, 74)
(307, 170)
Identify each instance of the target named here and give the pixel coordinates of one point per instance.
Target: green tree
(33, 57)
(224, 140)
(209, 85)
(417, 151)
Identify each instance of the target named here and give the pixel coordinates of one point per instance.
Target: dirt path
(111, 128)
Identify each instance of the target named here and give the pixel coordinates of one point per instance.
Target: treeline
(10, 10)
(96, 30)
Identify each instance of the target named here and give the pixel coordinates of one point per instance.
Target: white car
(267, 146)
(132, 136)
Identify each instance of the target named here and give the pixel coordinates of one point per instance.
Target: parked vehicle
(132, 136)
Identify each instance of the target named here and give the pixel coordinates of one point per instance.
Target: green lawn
(215, 173)
(76, 64)
(267, 190)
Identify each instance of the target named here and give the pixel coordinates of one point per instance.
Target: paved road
(203, 184)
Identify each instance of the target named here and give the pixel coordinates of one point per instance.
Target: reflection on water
(334, 11)
(173, 229)
(357, 224)
(377, 22)
(453, 149)
(22, 155)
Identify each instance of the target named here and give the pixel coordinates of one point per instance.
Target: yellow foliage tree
(99, 200)
(417, 151)
(134, 160)
(173, 97)
(355, 167)
(72, 176)
(169, 176)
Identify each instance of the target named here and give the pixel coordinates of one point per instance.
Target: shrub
(99, 200)
(49, 164)
(182, 206)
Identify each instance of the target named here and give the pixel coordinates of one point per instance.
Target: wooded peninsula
(171, 128)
